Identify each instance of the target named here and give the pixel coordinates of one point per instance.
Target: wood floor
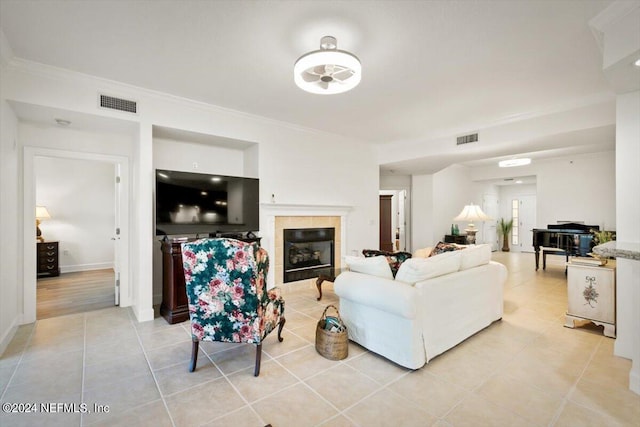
(74, 293)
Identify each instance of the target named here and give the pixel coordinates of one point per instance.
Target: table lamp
(469, 214)
(41, 213)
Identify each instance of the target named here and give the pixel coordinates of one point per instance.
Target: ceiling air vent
(466, 139)
(118, 104)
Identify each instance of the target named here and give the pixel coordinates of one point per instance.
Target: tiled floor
(526, 370)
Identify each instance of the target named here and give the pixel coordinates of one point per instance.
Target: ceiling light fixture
(327, 71)
(514, 162)
(637, 63)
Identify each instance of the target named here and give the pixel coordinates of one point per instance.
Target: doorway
(92, 220)
(393, 220)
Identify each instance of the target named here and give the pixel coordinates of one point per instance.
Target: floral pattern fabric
(225, 281)
(395, 259)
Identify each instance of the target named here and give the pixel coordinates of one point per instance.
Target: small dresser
(48, 259)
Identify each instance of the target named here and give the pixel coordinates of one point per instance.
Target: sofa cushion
(475, 255)
(443, 247)
(395, 259)
(373, 266)
(418, 269)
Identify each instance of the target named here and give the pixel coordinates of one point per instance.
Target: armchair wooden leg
(194, 356)
(280, 326)
(256, 371)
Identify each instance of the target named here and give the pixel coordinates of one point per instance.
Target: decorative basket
(332, 341)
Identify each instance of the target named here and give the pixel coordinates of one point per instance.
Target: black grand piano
(570, 239)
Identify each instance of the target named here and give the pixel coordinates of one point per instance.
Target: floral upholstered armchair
(225, 282)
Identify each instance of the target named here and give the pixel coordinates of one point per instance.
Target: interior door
(386, 242)
(527, 222)
(116, 235)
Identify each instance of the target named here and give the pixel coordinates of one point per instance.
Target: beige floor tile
(431, 394)
(243, 417)
(306, 362)
(573, 415)
(612, 372)
(6, 372)
(275, 348)
(377, 367)
(538, 406)
(177, 354)
(102, 353)
(338, 421)
(295, 406)
(617, 403)
(208, 401)
(152, 414)
(104, 373)
(464, 368)
(237, 357)
(386, 408)
(177, 378)
(342, 385)
(474, 411)
(121, 396)
(165, 337)
(60, 368)
(272, 379)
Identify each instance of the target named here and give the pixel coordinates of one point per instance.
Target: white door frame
(29, 233)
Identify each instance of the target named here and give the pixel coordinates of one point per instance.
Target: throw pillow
(395, 259)
(423, 253)
(418, 269)
(374, 266)
(442, 247)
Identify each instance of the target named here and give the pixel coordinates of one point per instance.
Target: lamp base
(471, 235)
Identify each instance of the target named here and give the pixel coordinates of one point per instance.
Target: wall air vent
(118, 104)
(466, 139)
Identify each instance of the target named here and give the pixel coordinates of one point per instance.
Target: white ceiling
(430, 68)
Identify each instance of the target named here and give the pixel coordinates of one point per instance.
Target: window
(515, 215)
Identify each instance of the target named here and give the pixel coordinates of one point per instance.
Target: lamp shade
(42, 213)
(472, 213)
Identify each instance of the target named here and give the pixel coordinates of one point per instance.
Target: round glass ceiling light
(514, 162)
(327, 71)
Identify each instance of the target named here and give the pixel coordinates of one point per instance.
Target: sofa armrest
(384, 294)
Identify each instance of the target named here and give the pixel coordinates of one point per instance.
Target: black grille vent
(466, 139)
(118, 104)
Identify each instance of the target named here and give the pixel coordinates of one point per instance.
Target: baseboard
(8, 335)
(143, 315)
(86, 267)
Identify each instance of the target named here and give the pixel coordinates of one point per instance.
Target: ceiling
(430, 68)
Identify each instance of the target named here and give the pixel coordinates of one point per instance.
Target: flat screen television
(195, 203)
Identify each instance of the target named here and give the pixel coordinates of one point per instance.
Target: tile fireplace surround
(280, 217)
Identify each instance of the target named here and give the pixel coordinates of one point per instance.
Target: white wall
(297, 165)
(10, 224)
(422, 225)
(80, 197)
(579, 187)
(452, 191)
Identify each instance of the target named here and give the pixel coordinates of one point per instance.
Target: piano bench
(546, 252)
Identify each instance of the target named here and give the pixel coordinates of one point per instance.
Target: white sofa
(453, 295)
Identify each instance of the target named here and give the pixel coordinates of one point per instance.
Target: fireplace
(307, 250)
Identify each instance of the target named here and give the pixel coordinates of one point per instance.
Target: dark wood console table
(175, 306)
